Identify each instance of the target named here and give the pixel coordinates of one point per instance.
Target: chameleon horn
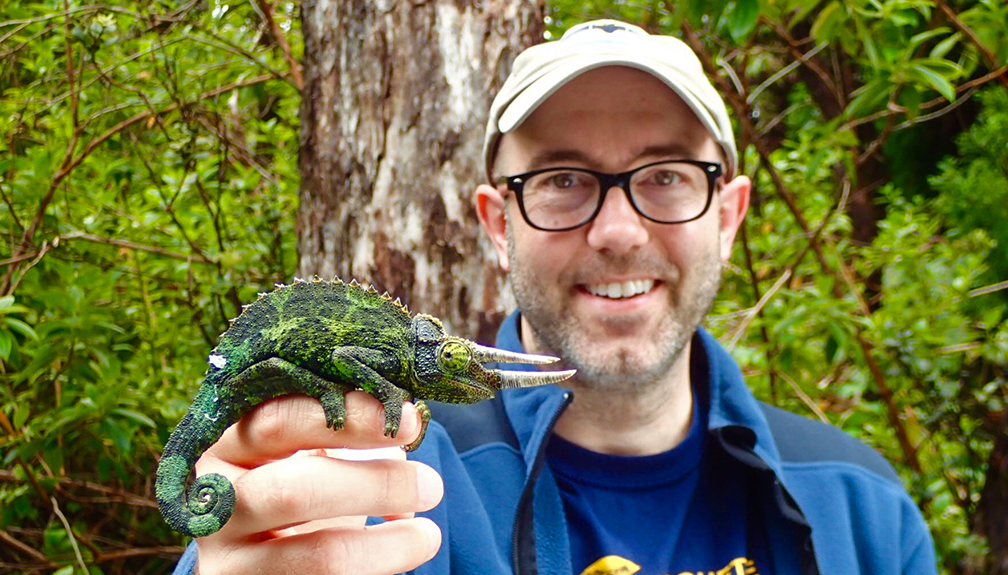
(513, 379)
(486, 354)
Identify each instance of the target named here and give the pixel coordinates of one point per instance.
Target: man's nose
(617, 228)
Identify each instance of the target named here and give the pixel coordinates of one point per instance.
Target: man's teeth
(621, 290)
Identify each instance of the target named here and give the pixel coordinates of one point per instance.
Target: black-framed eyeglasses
(667, 192)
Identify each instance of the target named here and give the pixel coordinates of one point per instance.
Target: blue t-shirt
(684, 511)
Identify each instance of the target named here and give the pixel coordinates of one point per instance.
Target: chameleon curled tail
(208, 503)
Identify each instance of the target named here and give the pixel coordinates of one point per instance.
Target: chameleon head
(451, 369)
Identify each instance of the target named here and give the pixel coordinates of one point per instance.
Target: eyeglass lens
(667, 192)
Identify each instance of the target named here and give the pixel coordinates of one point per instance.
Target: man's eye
(564, 180)
(666, 178)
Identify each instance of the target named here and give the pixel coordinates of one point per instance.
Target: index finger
(283, 426)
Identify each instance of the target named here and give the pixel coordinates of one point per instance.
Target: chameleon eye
(453, 356)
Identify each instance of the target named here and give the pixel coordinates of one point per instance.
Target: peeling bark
(393, 111)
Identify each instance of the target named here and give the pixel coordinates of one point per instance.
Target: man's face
(619, 298)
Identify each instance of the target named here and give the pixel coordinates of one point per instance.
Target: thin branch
(37, 19)
(266, 11)
(74, 94)
(883, 135)
(988, 289)
(27, 42)
(19, 258)
(806, 59)
(38, 257)
(962, 27)
(137, 552)
(936, 114)
(783, 72)
(199, 257)
(245, 156)
(113, 495)
(70, 534)
(35, 555)
(753, 311)
(224, 44)
(909, 451)
(804, 398)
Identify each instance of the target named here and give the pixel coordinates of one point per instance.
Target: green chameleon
(322, 339)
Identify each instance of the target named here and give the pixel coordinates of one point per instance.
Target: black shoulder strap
(470, 426)
(803, 440)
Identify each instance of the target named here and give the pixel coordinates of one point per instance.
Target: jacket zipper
(527, 495)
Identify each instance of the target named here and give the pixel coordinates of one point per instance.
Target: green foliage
(972, 188)
(149, 189)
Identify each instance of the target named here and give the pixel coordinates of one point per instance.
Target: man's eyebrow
(668, 151)
(548, 158)
(557, 157)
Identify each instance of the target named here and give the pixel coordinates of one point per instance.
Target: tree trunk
(991, 519)
(393, 111)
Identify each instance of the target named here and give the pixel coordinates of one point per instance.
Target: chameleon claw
(425, 416)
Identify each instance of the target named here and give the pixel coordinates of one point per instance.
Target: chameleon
(321, 339)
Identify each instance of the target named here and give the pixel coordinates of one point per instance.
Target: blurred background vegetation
(149, 181)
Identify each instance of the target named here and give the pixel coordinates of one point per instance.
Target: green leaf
(54, 458)
(934, 80)
(6, 344)
(21, 327)
(21, 415)
(696, 10)
(828, 21)
(120, 436)
(802, 10)
(917, 39)
(136, 417)
(867, 43)
(943, 47)
(742, 19)
(869, 97)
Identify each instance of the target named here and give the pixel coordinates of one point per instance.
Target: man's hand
(301, 511)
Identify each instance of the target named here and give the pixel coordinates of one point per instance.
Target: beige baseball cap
(541, 70)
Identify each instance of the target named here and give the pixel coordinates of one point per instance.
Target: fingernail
(410, 420)
(430, 488)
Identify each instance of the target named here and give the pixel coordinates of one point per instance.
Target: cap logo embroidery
(608, 27)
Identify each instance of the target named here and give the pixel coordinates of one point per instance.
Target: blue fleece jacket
(829, 504)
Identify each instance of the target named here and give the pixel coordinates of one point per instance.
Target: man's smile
(620, 290)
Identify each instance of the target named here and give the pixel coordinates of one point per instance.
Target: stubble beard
(630, 368)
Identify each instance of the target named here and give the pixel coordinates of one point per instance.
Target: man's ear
(490, 209)
(734, 203)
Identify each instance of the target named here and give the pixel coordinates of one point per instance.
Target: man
(612, 204)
